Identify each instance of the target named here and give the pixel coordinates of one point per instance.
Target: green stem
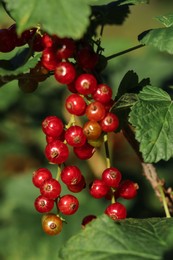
(108, 163)
(125, 51)
(71, 121)
(165, 205)
(58, 173)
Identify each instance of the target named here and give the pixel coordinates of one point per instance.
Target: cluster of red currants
(77, 65)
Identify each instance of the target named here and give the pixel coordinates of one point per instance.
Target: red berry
(56, 152)
(48, 60)
(74, 136)
(86, 84)
(40, 175)
(75, 104)
(65, 72)
(50, 139)
(43, 204)
(52, 126)
(116, 211)
(51, 224)
(78, 186)
(68, 204)
(65, 48)
(36, 43)
(7, 42)
(95, 111)
(84, 152)
(71, 175)
(87, 58)
(127, 189)
(87, 220)
(111, 177)
(50, 188)
(110, 123)
(98, 189)
(103, 94)
(92, 130)
(27, 84)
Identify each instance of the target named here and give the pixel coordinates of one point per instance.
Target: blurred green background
(22, 143)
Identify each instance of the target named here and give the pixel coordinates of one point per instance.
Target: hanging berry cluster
(77, 65)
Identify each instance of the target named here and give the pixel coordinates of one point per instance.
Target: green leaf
(167, 20)
(152, 118)
(135, 2)
(20, 63)
(130, 239)
(62, 17)
(161, 38)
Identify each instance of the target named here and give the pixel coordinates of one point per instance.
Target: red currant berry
(8, 40)
(40, 175)
(27, 84)
(56, 152)
(50, 139)
(51, 224)
(84, 152)
(111, 177)
(43, 204)
(52, 126)
(65, 48)
(68, 204)
(87, 58)
(71, 175)
(98, 189)
(127, 189)
(36, 43)
(97, 142)
(116, 211)
(65, 72)
(95, 111)
(86, 84)
(110, 123)
(78, 186)
(50, 188)
(87, 220)
(71, 87)
(75, 105)
(48, 60)
(74, 136)
(92, 130)
(103, 93)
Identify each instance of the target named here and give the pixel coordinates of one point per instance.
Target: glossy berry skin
(97, 142)
(78, 187)
(65, 48)
(65, 72)
(95, 111)
(68, 204)
(127, 189)
(56, 152)
(75, 104)
(98, 189)
(92, 130)
(103, 94)
(52, 126)
(110, 123)
(43, 204)
(71, 175)
(74, 136)
(51, 224)
(87, 58)
(84, 152)
(86, 84)
(50, 139)
(50, 188)
(116, 211)
(111, 177)
(40, 175)
(48, 60)
(87, 220)
(7, 42)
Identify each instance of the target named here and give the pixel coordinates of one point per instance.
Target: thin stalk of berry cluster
(165, 205)
(124, 52)
(108, 164)
(58, 173)
(71, 121)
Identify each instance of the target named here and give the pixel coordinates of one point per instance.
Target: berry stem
(71, 121)
(108, 163)
(58, 173)
(163, 197)
(124, 52)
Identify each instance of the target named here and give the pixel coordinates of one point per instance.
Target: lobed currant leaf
(151, 116)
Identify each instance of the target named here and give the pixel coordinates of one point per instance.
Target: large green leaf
(61, 17)
(130, 239)
(135, 2)
(161, 38)
(152, 118)
(167, 20)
